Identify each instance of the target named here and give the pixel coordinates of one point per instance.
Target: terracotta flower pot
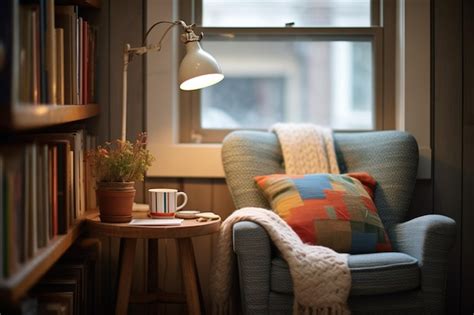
(115, 201)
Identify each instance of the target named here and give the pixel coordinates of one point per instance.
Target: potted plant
(116, 167)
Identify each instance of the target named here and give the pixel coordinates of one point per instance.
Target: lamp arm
(129, 53)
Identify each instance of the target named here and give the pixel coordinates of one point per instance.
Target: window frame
(190, 130)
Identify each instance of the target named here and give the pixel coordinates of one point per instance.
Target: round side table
(129, 234)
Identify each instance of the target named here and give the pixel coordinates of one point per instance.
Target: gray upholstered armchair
(410, 280)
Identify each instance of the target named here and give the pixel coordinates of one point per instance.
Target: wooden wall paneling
(103, 79)
(139, 283)
(106, 300)
(389, 34)
(467, 279)
(200, 193)
(102, 124)
(422, 202)
(467, 282)
(447, 128)
(169, 275)
(126, 26)
(468, 63)
(222, 202)
(164, 255)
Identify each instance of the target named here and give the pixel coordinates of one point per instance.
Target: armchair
(411, 279)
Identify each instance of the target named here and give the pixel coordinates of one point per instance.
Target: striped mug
(164, 202)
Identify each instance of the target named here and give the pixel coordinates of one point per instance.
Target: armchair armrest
(429, 239)
(252, 247)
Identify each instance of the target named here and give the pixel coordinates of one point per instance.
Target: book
(85, 63)
(56, 303)
(26, 39)
(63, 185)
(92, 61)
(31, 200)
(59, 32)
(78, 63)
(41, 198)
(53, 171)
(42, 52)
(50, 49)
(66, 16)
(28, 306)
(11, 246)
(29, 54)
(35, 88)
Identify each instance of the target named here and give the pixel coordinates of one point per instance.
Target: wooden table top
(188, 228)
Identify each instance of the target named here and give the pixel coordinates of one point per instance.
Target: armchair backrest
(391, 157)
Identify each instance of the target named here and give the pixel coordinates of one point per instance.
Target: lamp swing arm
(197, 70)
(187, 36)
(129, 53)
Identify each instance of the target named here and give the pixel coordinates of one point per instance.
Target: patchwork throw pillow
(336, 211)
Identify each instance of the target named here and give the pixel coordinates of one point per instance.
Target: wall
(449, 192)
(453, 144)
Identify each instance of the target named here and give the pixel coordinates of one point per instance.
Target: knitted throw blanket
(321, 279)
(307, 148)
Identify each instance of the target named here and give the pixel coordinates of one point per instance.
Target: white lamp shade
(198, 68)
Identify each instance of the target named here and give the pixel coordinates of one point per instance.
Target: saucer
(186, 214)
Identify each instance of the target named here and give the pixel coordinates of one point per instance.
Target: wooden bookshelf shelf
(13, 288)
(24, 117)
(82, 3)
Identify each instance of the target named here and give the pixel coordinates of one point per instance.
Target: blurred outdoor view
(289, 79)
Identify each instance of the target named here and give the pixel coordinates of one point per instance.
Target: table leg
(190, 278)
(126, 257)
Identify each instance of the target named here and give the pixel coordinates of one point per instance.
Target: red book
(85, 62)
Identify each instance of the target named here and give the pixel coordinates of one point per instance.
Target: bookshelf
(18, 285)
(37, 129)
(24, 117)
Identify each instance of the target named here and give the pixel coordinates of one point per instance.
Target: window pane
(276, 13)
(324, 82)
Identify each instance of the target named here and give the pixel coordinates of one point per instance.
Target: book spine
(60, 66)
(40, 197)
(50, 53)
(25, 40)
(63, 182)
(85, 65)
(78, 61)
(35, 57)
(46, 195)
(33, 200)
(42, 52)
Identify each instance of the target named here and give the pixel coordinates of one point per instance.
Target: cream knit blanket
(306, 148)
(321, 279)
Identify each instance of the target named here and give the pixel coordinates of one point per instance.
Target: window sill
(186, 160)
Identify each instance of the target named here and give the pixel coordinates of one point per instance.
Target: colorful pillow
(336, 211)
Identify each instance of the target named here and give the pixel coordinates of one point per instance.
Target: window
(316, 61)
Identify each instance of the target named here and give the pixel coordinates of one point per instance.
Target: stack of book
(57, 55)
(45, 185)
(70, 287)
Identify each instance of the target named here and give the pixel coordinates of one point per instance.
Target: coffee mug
(164, 202)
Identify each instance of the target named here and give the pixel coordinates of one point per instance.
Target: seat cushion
(372, 274)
